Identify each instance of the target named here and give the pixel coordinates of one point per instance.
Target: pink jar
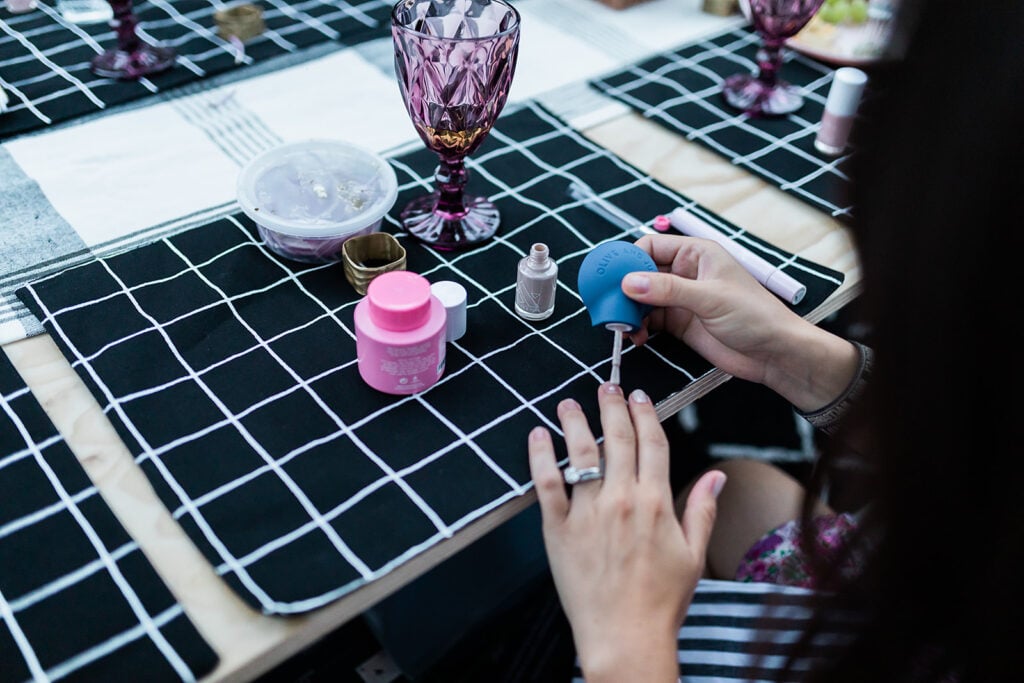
(400, 334)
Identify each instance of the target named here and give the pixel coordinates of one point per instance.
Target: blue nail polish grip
(600, 284)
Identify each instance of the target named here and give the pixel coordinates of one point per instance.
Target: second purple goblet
(131, 58)
(764, 93)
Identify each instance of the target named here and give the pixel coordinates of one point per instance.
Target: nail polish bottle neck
(539, 258)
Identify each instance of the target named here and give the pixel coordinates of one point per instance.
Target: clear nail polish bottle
(536, 281)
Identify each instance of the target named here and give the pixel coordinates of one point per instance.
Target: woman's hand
(624, 566)
(704, 297)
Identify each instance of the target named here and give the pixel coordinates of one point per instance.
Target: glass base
(450, 231)
(133, 65)
(533, 315)
(747, 93)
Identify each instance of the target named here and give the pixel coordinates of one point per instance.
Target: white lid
(317, 188)
(786, 287)
(844, 95)
(453, 296)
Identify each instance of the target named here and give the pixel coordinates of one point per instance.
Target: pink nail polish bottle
(400, 334)
(840, 109)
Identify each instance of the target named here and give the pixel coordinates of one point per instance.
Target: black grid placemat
(231, 374)
(78, 599)
(682, 90)
(44, 59)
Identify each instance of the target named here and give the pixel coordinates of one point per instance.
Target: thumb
(699, 515)
(662, 289)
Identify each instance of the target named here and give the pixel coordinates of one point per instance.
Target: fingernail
(611, 388)
(538, 434)
(637, 283)
(718, 484)
(638, 396)
(569, 404)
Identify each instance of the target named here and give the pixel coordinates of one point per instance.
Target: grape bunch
(844, 11)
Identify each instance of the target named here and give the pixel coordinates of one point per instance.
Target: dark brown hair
(938, 190)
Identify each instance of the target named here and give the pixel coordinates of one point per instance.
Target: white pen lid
(453, 296)
(844, 95)
(786, 287)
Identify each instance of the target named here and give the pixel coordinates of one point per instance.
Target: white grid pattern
(72, 497)
(682, 91)
(45, 63)
(531, 137)
(68, 217)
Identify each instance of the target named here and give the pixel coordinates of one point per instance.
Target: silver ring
(577, 476)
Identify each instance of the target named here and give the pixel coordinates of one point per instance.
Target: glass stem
(769, 61)
(125, 22)
(450, 179)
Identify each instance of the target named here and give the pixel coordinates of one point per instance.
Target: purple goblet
(131, 58)
(767, 94)
(454, 62)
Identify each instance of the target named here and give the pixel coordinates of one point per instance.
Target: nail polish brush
(600, 286)
(617, 330)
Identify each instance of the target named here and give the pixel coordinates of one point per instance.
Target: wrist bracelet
(827, 418)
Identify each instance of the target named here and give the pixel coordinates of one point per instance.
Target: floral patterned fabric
(778, 558)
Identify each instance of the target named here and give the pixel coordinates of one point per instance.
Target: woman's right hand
(704, 297)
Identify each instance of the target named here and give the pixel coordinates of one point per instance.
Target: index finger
(678, 252)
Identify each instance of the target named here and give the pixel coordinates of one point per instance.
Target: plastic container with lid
(400, 334)
(308, 197)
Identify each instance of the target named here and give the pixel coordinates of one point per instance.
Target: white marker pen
(776, 281)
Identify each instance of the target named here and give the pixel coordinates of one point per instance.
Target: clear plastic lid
(317, 188)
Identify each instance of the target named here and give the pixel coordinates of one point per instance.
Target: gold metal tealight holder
(367, 256)
(243, 21)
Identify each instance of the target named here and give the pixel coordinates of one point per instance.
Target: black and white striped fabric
(231, 374)
(743, 632)
(78, 599)
(44, 58)
(682, 90)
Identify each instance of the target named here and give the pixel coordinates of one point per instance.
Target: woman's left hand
(624, 566)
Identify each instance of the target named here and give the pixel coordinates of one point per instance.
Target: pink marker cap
(399, 300)
(662, 223)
